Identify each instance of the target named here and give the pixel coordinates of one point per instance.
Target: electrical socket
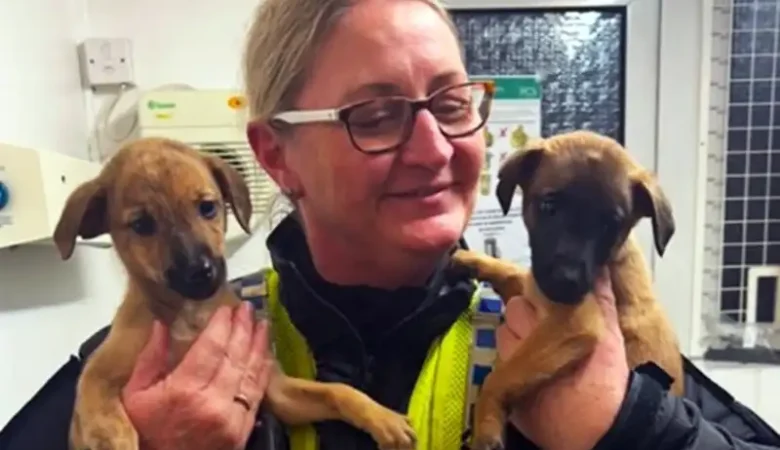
(106, 62)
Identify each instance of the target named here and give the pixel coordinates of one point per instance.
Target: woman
(383, 189)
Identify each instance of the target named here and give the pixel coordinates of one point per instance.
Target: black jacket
(377, 341)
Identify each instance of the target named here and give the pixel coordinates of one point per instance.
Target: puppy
(164, 205)
(582, 196)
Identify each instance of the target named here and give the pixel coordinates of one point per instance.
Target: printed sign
(516, 116)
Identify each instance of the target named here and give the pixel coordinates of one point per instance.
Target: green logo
(160, 105)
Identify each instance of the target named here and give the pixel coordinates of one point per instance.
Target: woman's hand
(575, 411)
(193, 406)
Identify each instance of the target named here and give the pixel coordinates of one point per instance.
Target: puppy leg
(566, 337)
(296, 401)
(99, 420)
(506, 278)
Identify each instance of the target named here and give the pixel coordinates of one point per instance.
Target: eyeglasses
(384, 124)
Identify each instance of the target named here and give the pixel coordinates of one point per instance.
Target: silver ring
(243, 401)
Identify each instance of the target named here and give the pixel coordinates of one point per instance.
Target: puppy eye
(547, 205)
(144, 225)
(208, 209)
(611, 224)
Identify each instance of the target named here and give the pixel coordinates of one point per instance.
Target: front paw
(391, 430)
(107, 432)
(488, 436)
(462, 264)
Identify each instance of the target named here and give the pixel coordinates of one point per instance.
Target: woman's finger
(253, 383)
(237, 351)
(250, 419)
(506, 342)
(204, 357)
(603, 287)
(520, 316)
(606, 300)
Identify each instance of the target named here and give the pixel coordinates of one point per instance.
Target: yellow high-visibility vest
(442, 400)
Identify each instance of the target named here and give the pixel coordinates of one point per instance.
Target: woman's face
(416, 199)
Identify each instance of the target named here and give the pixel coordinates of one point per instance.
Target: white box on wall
(36, 184)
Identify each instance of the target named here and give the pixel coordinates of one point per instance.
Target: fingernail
(248, 306)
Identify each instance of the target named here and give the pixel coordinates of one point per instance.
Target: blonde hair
(281, 44)
(283, 39)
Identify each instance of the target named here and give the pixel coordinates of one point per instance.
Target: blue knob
(5, 196)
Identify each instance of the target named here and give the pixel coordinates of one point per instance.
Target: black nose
(564, 282)
(569, 277)
(201, 271)
(195, 278)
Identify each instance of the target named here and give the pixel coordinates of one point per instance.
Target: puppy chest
(190, 321)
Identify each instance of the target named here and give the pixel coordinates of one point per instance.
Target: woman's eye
(372, 120)
(452, 105)
(143, 225)
(208, 209)
(387, 114)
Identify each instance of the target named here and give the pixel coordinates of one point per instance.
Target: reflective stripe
(442, 401)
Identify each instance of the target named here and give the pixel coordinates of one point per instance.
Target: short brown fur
(167, 178)
(567, 334)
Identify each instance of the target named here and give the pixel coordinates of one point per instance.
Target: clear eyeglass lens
(385, 122)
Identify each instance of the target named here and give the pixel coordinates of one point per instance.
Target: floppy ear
(233, 188)
(650, 201)
(85, 214)
(517, 170)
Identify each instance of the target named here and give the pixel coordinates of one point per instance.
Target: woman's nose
(427, 146)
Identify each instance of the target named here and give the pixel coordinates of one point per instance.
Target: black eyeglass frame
(342, 115)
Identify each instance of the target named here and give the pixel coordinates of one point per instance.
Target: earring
(291, 194)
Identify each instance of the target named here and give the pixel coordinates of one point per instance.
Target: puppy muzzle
(197, 278)
(565, 283)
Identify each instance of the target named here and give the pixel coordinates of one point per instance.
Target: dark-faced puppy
(582, 196)
(165, 207)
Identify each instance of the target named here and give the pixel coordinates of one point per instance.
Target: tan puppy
(582, 196)
(164, 205)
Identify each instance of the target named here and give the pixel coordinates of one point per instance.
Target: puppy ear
(85, 214)
(650, 201)
(517, 170)
(233, 188)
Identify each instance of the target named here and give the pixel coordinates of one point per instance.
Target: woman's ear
(266, 146)
(269, 149)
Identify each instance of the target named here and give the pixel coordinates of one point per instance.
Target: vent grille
(240, 156)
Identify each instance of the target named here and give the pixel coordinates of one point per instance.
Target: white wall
(48, 307)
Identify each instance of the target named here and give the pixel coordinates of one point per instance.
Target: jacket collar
(303, 295)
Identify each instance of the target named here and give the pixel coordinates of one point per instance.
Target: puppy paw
(104, 433)
(462, 265)
(391, 430)
(488, 436)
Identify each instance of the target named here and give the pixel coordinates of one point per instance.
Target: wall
(684, 115)
(46, 307)
(49, 307)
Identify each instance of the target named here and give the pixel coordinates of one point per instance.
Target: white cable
(105, 127)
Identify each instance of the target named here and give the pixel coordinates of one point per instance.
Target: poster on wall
(516, 117)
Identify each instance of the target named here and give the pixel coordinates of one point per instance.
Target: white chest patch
(190, 321)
